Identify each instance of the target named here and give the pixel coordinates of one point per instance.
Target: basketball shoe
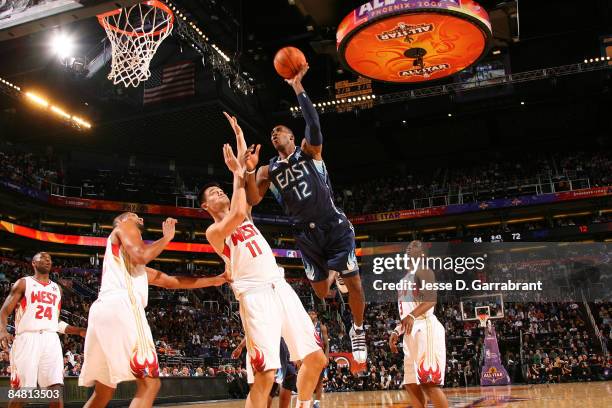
(358, 344)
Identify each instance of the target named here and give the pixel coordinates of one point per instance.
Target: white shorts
(268, 313)
(425, 353)
(36, 360)
(118, 345)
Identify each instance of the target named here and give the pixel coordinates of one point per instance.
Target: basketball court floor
(574, 395)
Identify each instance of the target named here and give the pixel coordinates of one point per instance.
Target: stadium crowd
(499, 177)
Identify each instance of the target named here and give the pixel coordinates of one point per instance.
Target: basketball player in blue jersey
(324, 235)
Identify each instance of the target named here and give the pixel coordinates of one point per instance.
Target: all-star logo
(425, 71)
(405, 31)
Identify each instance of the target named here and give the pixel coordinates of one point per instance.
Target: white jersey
(39, 308)
(120, 275)
(407, 300)
(249, 259)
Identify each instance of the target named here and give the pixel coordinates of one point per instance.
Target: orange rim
(152, 3)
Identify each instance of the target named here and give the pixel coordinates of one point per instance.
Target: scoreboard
(541, 234)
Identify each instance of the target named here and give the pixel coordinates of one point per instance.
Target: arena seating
(497, 177)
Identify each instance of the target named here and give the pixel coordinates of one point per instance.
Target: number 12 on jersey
(304, 190)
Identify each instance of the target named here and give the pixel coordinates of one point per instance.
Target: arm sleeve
(313, 127)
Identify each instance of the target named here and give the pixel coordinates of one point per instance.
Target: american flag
(170, 82)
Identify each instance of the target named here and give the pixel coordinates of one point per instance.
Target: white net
(135, 33)
(483, 319)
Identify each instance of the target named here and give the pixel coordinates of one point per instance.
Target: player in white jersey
(269, 308)
(119, 345)
(36, 354)
(424, 338)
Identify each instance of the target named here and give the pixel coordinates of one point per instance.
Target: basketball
(288, 61)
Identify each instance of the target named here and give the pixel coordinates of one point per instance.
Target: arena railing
(211, 305)
(62, 190)
(187, 201)
(598, 334)
(536, 187)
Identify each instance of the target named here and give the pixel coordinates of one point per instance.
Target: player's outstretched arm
(162, 280)
(65, 328)
(313, 138)
(238, 212)
(139, 252)
(15, 295)
(257, 183)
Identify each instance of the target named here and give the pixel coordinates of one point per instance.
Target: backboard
(24, 17)
(472, 305)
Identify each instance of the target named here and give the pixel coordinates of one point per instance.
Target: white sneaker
(358, 344)
(341, 285)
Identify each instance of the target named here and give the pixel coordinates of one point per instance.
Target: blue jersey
(301, 186)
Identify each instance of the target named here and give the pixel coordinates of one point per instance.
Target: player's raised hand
(297, 79)
(251, 157)
(240, 142)
(231, 161)
(169, 228)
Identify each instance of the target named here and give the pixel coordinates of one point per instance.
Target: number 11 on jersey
(254, 247)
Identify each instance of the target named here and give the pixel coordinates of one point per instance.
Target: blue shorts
(287, 371)
(329, 246)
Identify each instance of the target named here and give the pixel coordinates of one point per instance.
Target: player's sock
(303, 404)
(358, 327)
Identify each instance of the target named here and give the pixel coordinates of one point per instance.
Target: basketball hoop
(135, 33)
(483, 318)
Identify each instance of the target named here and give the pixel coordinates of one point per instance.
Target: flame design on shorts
(258, 362)
(144, 364)
(15, 382)
(430, 376)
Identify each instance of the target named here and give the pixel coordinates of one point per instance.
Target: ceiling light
(37, 99)
(62, 45)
